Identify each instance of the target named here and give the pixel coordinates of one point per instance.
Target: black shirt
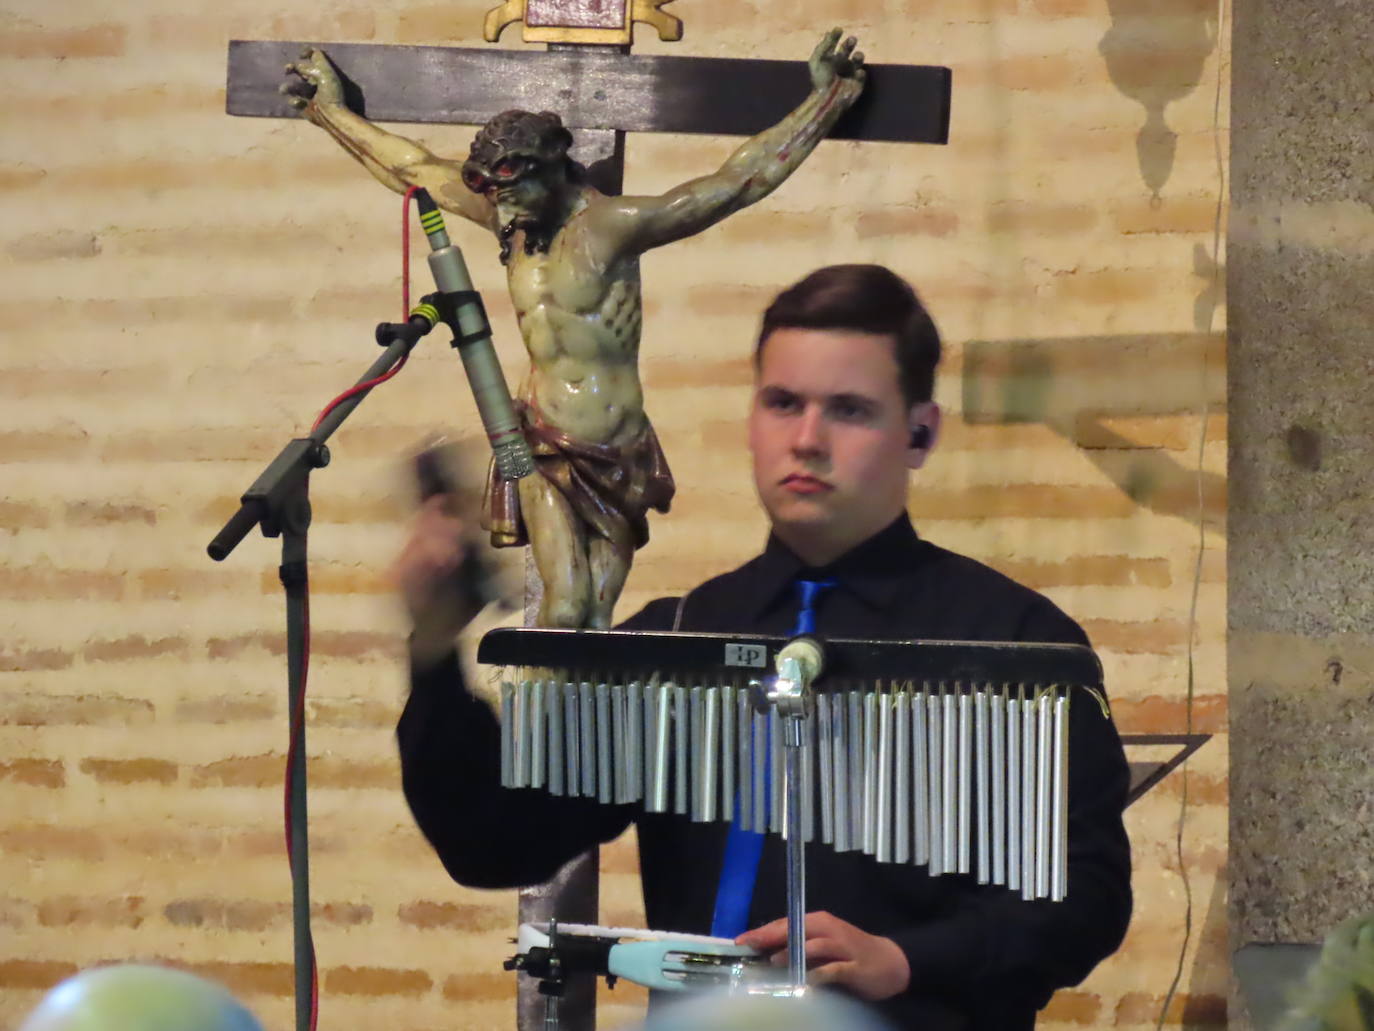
(981, 958)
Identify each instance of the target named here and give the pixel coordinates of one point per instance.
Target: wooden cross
(602, 92)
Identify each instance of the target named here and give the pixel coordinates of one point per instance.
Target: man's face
(830, 436)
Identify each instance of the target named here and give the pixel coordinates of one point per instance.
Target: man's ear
(924, 421)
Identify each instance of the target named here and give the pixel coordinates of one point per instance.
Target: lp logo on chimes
(755, 655)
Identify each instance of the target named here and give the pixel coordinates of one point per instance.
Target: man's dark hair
(863, 299)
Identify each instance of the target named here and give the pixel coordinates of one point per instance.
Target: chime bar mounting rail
(728, 655)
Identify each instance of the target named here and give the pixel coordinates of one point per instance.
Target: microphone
(460, 306)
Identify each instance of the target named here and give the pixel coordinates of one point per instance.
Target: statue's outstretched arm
(756, 168)
(396, 162)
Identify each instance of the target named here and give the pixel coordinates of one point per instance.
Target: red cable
(405, 314)
(358, 388)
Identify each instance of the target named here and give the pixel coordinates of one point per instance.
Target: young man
(842, 413)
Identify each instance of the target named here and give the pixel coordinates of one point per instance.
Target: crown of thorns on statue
(511, 145)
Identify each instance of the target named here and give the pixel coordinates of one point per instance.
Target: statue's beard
(539, 233)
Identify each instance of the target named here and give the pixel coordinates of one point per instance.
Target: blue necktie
(740, 867)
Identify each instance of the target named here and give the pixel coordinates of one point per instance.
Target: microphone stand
(279, 502)
(791, 695)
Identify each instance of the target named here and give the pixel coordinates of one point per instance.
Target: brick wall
(182, 291)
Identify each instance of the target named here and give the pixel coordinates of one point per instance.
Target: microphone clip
(449, 301)
(423, 317)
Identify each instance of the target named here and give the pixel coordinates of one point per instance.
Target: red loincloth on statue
(610, 488)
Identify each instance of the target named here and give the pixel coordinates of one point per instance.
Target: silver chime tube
(605, 778)
(1028, 768)
(758, 770)
(1060, 886)
(964, 802)
(507, 735)
(824, 743)
(681, 736)
(999, 788)
(709, 764)
(982, 829)
(793, 731)
(634, 741)
(870, 773)
(950, 796)
(901, 719)
(744, 790)
(884, 811)
(839, 728)
(620, 746)
(1012, 776)
(662, 716)
(553, 698)
(586, 709)
(1044, 770)
(728, 724)
(920, 766)
(538, 735)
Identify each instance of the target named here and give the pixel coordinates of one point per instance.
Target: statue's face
(522, 185)
(518, 161)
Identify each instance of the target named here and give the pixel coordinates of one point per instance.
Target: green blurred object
(133, 997)
(1339, 991)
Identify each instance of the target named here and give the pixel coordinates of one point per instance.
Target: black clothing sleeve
(486, 836)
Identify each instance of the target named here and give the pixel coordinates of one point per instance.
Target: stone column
(1301, 372)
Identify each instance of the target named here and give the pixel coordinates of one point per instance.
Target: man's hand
(837, 952)
(312, 80)
(426, 574)
(833, 60)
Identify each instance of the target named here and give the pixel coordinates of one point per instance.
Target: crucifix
(601, 91)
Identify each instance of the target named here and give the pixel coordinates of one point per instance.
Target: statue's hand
(312, 80)
(834, 61)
